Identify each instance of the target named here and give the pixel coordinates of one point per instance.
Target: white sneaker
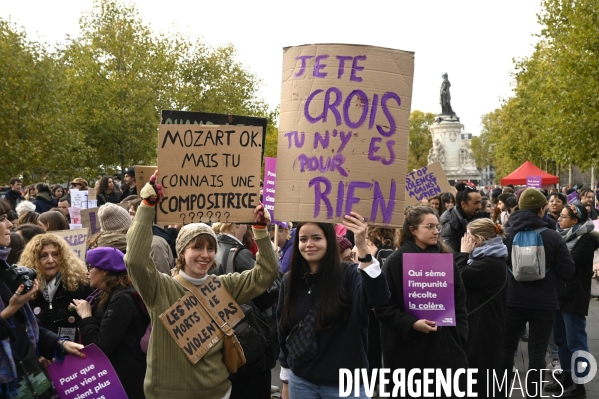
(555, 365)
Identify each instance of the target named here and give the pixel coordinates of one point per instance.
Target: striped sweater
(169, 372)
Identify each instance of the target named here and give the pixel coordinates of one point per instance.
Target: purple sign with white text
(534, 181)
(428, 287)
(572, 197)
(89, 378)
(268, 189)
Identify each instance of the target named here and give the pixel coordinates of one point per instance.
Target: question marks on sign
(183, 216)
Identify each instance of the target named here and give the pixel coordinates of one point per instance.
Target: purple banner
(268, 190)
(90, 378)
(428, 287)
(572, 197)
(534, 181)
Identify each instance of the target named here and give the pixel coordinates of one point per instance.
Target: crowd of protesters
(345, 281)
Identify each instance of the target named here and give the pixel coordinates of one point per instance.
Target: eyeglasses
(563, 217)
(89, 267)
(430, 226)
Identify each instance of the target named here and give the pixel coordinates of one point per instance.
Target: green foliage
(93, 106)
(553, 113)
(420, 139)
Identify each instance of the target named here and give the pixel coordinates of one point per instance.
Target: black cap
(130, 171)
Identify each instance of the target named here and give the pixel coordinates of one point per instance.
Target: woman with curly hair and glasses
(62, 278)
(114, 318)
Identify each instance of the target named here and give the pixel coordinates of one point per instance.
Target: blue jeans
(302, 389)
(569, 330)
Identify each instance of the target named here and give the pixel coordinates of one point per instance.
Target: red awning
(518, 177)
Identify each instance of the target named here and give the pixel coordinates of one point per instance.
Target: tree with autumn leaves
(93, 105)
(554, 112)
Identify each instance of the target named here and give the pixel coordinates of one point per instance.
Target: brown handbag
(233, 354)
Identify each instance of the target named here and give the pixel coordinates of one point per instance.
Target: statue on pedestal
(466, 156)
(445, 97)
(436, 153)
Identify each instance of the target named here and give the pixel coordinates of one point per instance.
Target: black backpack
(383, 253)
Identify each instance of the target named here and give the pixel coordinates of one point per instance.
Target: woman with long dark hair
(329, 301)
(107, 192)
(409, 342)
(446, 201)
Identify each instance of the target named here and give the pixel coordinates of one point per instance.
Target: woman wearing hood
(569, 328)
(44, 201)
(482, 263)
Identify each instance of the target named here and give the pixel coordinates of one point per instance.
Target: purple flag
(92, 377)
(534, 181)
(428, 287)
(268, 189)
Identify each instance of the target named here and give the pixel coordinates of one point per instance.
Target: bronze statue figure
(445, 97)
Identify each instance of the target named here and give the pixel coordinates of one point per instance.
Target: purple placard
(572, 197)
(428, 287)
(90, 378)
(268, 189)
(534, 181)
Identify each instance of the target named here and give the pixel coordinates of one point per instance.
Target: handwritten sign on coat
(192, 327)
(426, 182)
(343, 133)
(92, 377)
(76, 240)
(210, 173)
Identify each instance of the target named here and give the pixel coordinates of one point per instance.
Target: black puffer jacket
(539, 294)
(454, 223)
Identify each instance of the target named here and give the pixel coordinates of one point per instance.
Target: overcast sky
(473, 41)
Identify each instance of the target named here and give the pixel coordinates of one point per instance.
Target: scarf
(4, 252)
(93, 297)
(194, 281)
(494, 248)
(51, 287)
(573, 234)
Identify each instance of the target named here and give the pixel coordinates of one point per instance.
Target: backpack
(383, 253)
(145, 339)
(528, 256)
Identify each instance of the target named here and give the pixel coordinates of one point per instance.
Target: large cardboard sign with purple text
(343, 133)
(90, 378)
(426, 182)
(428, 287)
(210, 173)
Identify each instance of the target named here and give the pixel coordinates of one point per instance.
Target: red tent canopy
(518, 177)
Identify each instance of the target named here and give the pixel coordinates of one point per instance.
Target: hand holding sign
(152, 192)
(73, 348)
(262, 216)
(425, 326)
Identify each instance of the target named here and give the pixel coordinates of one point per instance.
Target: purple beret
(107, 258)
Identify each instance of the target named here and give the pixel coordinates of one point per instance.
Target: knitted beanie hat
(189, 232)
(532, 199)
(113, 218)
(344, 243)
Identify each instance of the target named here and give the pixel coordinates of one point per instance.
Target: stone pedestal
(451, 147)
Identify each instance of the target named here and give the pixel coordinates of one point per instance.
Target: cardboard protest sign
(428, 287)
(170, 117)
(142, 176)
(268, 189)
(425, 183)
(90, 378)
(89, 220)
(343, 133)
(76, 240)
(192, 327)
(91, 194)
(534, 181)
(209, 173)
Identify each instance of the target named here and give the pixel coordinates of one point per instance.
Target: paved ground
(522, 360)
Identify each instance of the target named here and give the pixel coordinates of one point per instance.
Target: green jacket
(170, 374)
